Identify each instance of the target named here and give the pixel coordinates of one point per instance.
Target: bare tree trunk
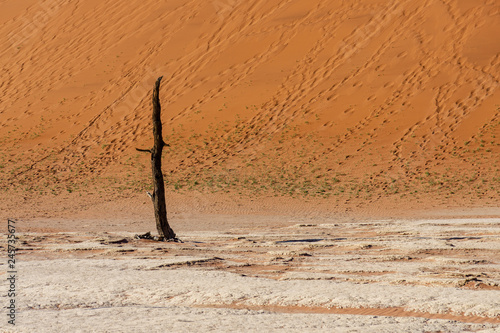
(158, 196)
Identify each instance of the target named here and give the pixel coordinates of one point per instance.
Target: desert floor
(240, 268)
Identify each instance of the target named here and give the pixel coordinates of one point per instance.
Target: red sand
(354, 102)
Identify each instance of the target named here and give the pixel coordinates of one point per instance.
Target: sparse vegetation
(284, 163)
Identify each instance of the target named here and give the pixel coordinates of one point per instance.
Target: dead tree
(158, 196)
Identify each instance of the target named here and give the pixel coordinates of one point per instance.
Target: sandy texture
(351, 101)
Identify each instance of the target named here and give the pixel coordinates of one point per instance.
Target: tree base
(148, 235)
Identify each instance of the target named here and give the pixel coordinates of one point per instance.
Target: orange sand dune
(352, 100)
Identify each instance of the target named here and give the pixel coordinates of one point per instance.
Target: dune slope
(358, 100)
